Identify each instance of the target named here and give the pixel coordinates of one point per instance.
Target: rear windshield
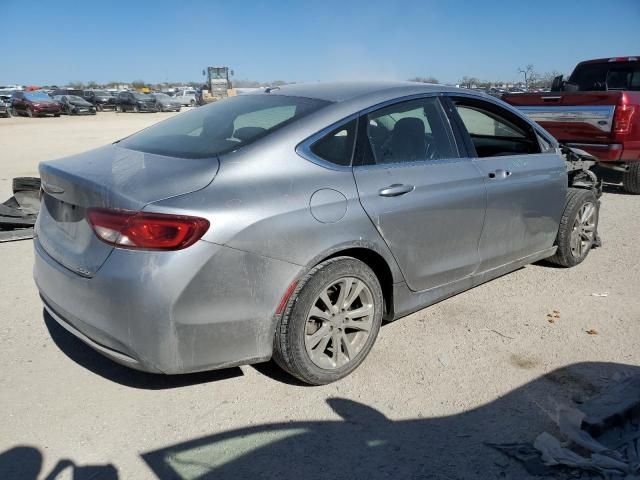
(606, 76)
(221, 126)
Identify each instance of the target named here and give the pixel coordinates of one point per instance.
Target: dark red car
(34, 104)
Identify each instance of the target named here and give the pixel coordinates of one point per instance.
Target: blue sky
(62, 41)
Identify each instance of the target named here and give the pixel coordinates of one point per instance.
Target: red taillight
(622, 118)
(146, 231)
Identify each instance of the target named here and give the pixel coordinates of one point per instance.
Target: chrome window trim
(304, 148)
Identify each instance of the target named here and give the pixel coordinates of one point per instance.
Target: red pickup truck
(598, 110)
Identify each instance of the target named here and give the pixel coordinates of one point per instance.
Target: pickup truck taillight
(146, 231)
(623, 117)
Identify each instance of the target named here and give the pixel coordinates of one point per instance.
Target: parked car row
(89, 102)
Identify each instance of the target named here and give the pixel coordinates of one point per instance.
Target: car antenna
(270, 89)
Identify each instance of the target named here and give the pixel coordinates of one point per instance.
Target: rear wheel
(631, 178)
(14, 112)
(192, 103)
(331, 321)
(29, 113)
(578, 228)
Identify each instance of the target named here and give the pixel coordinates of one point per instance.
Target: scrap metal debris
(603, 294)
(18, 214)
(602, 440)
(592, 331)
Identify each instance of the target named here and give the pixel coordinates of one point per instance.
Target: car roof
(347, 90)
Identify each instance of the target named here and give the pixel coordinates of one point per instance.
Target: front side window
(495, 131)
(337, 146)
(222, 126)
(411, 131)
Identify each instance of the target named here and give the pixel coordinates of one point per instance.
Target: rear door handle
(500, 174)
(395, 190)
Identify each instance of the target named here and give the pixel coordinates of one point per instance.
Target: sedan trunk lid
(108, 177)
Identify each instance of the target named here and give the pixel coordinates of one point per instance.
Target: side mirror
(557, 84)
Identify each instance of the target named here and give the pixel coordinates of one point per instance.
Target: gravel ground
(484, 366)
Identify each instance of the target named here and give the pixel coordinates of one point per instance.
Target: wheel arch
(380, 266)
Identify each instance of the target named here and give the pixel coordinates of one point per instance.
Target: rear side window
(495, 131)
(222, 126)
(606, 76)
(411, 131)
(337, 146)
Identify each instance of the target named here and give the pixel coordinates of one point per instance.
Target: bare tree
(529, 73)
(77, 84)
(469, 82)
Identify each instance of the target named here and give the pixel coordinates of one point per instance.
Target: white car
(186, 97)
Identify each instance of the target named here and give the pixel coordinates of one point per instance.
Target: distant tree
(546, 79)
(530, 75)
(469, 82)
(76, 84)
(112, 84)
(92, 84)
(278, 83)
(425, 80)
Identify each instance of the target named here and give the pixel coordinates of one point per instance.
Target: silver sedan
(290, 223)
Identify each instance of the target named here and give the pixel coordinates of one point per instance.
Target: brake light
(622, 119)
(146, 231)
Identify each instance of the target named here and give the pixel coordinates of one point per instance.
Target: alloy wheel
(583, 231)
(339, 323)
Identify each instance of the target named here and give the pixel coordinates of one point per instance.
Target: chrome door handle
(395, 190)
(500, 174)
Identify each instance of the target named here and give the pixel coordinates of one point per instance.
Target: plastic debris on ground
(18, 214)
(600, 441)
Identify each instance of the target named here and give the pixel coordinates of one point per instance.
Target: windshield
(161, 95)
(140, 96)
(37, 96)
(101, 93)
(606, 76)
(222, 126)
(73, 98)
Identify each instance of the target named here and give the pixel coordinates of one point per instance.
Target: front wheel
(136, 109)
(331, 321)
(578, 228)
(631, 178)
(29, 113)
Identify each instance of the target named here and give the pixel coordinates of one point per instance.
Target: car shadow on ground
(363, 443)
(88, 358)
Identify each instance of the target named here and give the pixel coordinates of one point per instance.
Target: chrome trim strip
(598, 116)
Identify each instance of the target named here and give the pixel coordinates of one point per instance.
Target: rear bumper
(201, 308)
(611, 152)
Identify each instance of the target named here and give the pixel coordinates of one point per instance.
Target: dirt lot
(484, 366)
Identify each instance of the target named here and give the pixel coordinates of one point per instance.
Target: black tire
(119, 109)
(136, 109)
(631, 178)
(576, 198)
(56, 115)
(15, 112)
(192, 103)
(289, 341)
(99, 107)
(29, 113)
